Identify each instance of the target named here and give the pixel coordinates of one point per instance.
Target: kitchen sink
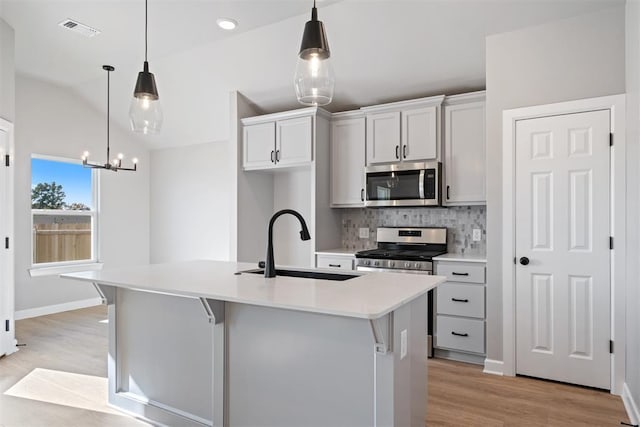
(306, 274)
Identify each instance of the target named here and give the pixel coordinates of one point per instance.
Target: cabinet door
(294, 141)
(259, 143)
(383, 137)
(465, 158)
(420, 134)
(347, 162)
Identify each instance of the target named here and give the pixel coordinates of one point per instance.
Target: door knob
(524, 260)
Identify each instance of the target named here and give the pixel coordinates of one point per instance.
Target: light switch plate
(363, 232)
(403, 344)
(477, 234)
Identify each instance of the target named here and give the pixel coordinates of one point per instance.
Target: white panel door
(383, 137)
(420, 134)
(294, 141)
(259, 145)
(347, 162)
(562, 228)
(7, 341)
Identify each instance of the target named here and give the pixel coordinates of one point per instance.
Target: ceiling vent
(79, 28)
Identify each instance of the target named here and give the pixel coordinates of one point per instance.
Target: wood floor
(76, 341)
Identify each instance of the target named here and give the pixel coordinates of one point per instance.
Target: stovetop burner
(400, 254)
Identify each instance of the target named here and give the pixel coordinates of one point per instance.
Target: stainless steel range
(406, 250)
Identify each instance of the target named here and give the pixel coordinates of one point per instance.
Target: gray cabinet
(465, 150)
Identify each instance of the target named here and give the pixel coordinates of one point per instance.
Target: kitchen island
(195, 343)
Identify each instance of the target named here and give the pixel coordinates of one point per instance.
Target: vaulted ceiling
(381, 51)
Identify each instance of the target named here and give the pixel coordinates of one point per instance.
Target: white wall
(575, 58)
(53, 121)
(190, 203)
(633, 197)
(7, 72)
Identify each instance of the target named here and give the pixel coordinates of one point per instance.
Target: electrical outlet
(403, 344)
(363, 233)
(477, 234)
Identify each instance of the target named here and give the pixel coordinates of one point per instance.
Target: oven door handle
(421, 184)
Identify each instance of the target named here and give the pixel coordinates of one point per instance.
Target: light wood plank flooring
(459, 394)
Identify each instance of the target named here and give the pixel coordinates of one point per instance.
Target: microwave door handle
(421, 184)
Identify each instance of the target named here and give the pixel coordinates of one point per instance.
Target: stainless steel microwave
(403, 184)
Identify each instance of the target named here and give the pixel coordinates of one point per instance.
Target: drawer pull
(335, 265)
(459, 300)
(460, 274)
(458, 334)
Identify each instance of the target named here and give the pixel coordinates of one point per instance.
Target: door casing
(615, 104)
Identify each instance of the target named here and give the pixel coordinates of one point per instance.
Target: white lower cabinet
(334, 261)
(460, 311)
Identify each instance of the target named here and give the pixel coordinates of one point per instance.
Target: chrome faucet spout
(270, 268)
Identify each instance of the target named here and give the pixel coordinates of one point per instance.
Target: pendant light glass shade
(314, 80)
(145, 112)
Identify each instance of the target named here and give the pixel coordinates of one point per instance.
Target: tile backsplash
(460, 222)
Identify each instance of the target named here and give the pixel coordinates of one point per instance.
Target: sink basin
(307, 274)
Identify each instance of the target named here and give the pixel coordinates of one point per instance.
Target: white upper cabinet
(465, 150)
(404, 131)
(420, 134)
(259, 145)
(347, 161)
(294, 141)
(279, 140)
(383, 137)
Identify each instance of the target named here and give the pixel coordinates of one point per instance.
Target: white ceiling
(381, 51)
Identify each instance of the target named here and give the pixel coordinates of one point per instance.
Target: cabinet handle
(447, 192)
(459, 300)
(460, 274)
(458, 334)
(397, 151)
(272, 153)
(362, 194)
(277, 155)
(335, 265)
(404, 152)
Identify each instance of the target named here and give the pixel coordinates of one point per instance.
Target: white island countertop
(368, 296)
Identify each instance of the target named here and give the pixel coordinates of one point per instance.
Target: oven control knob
(377, 263)
(367, 262)
(391, 263)
(407, 265)
(416, 265)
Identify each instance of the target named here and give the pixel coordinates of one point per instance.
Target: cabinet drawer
(460, 334)
(459, 272)
(338, 262)
(460, 300)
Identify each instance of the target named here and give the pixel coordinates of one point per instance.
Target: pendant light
(145, 113)
(115, 164)
(314, 78)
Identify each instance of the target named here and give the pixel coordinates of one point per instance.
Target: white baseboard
(493, 367)
(630, 405)
(57, 308)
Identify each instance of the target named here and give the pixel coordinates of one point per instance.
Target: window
(63, 210)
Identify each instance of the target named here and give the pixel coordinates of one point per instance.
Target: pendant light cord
(108, 112)
(146, 30)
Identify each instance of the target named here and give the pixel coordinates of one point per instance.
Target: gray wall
(633, 195)
(7, 72)
(460, 222)
(53, 121)
(190, 203)
(581, 57)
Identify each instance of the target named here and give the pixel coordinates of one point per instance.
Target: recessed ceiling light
(227, 23)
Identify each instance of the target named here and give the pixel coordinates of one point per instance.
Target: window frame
(58, 267)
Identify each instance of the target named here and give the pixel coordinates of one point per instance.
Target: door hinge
(7, 161)
(610, 346)
(6, 325)
(610, 140)
(611, 242)
(6, 243)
